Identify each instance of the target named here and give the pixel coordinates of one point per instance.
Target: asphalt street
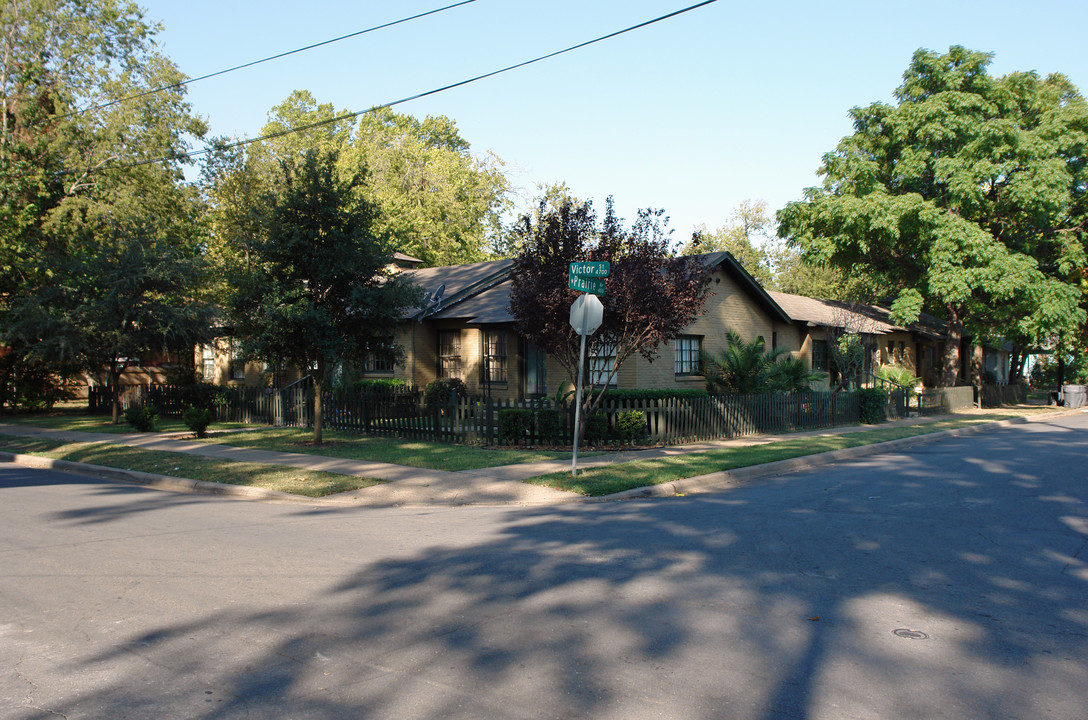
(947, 580)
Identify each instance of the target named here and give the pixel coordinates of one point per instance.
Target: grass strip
(80, 421)
(412, 453)
(617, 477)
(352, 446)
(308, 483)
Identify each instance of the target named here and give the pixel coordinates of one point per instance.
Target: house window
(536, 367)
(378, 363)
(237, 363)
(819, 355)
(891, 352)
(601, 364)
(495, 360)
(449, 354)
(774, 341)
(688, 350)
(207, 365)
(380, 359)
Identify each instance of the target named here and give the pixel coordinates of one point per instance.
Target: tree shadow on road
(778, 600)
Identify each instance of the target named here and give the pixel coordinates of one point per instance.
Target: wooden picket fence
(478, 419)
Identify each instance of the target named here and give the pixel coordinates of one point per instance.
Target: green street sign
(586, 284)
(598, 269)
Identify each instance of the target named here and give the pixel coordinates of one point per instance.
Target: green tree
(652, 296)
(965, 199)
(317, 290)
(78, 187)
(797, 275)
(745, 236)
(437, 200)
(442, 203)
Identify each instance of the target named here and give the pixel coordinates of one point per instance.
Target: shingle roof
(858, 317)
(459, 282)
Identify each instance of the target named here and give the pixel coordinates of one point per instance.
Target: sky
(694, 115)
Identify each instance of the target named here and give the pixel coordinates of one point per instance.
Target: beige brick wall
(729, 307)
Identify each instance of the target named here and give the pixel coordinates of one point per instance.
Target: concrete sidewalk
(408, 486)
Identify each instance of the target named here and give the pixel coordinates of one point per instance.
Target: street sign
(586, 314)
(596, 269)
(586, 284)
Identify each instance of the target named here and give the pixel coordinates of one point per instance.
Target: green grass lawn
(412, 453)
(309, 483)
(606, 480)
(78, 419)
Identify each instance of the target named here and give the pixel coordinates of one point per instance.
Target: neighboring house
(918, 346)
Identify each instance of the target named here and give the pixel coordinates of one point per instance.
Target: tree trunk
(115, 394)
(319, 386)
(950, 362)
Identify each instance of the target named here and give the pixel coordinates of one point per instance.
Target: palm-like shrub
(898, 374)
(790, 374)
(743, 368)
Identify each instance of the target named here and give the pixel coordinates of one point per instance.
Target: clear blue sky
(729, 102)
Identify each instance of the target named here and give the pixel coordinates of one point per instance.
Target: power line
(258, 62)
(352, 115)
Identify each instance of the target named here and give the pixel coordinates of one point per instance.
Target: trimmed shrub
(871, 403)
(659, 394)
(513, 425)
(549, 426)
(142, 418)
(630, 424)
(437, 392)
(597, 428)
(380, 386)
(197, 420)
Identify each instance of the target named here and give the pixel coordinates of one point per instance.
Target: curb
(732, 478)
(701, 483)
(153, 480)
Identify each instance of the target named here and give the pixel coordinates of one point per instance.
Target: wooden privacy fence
(939, 401)
(997, 395)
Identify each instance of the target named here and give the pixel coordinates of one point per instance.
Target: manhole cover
(910, 634)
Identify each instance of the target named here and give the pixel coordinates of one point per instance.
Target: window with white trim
(495, 358)
(380, 359)
(207, 363)
(237, 362)
(601, 363)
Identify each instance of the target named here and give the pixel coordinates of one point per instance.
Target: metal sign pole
(578, 396)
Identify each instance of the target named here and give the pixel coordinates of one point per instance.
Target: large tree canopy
(90, 181)
(435, 199)
(745, 236)
(316, 289)
(651, 297)
(967, 199)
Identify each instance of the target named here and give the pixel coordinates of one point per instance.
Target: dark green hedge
(380, 386)
(661, 394)
(871, 405)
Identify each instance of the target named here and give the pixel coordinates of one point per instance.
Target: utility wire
(352, 115)
(152, 91)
